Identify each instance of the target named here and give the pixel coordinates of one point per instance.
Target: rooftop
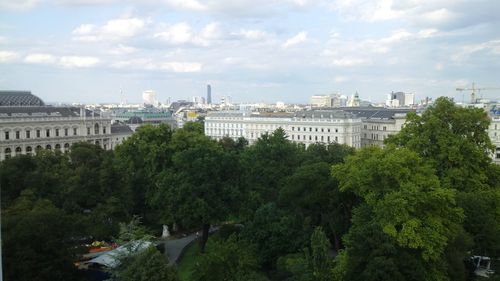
(19, 98)
(42, 111)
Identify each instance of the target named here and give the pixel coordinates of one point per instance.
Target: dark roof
(376, 113)
(335, 113)
(19, 98)
(120, 129)
(42, 111)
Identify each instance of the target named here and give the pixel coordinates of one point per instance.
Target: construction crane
(475, 92)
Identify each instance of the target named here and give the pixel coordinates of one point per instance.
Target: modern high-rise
(209, 94)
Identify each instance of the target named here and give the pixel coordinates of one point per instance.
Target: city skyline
(254, 51)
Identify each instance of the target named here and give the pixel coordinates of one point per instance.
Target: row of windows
(304, 129)
(375, 127)
(29, 149)
(304, 137)
(48, 133)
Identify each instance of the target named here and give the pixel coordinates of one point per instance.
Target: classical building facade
(494, 133)
(379, 123)
(306, 127)
(30, 126)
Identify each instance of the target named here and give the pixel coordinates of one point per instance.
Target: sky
(94, 51)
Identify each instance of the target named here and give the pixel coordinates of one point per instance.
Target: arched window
(58, 147)
(18, 151)
(29, 150)
(97, 142)
(38, 148)
(8, 153)
(66, 146)
(96, 129)
(48, 147)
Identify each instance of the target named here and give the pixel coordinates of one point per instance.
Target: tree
(453, 139)
(147, 265)
(39, 241)
(404, 204)
(228, 260)
(265, 164)
(201, 186)
(275, 233)
(142, 157)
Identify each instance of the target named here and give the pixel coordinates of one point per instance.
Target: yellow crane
(475, 92)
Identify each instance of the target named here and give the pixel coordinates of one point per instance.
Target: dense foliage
(416, 209)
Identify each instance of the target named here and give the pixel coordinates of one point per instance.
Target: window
(29, 150)
(18, 151)
(88, 131)
(18, 135)
(336, 139)
(315, 138)
(322, 130)
(292, 137)
(57, 132)
(310, 137)
(58, 147)
(74, 131)
(96, 129)
(384, 128)
(104, 130)
(310, 129)
(7, 153)
(6, 135)
(336, 130)
(48, 147)
(328, 130)
(47, 133)
(65, 132)
(28, 134)
(38, 133)
(365, 126)
(298, 129)
(66, 146)
(328, 138)
(316, 129)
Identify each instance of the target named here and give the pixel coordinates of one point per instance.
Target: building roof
(119, 128)
(43, 111)
(19, 98)
(335, 113)
(376, 112)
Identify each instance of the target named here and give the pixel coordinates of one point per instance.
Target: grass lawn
(186, 264)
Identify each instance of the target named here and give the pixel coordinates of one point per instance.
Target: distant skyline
(262, 50)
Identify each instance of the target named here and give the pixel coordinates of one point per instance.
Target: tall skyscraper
(209, 94)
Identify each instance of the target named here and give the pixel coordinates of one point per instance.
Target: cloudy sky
(252, 50)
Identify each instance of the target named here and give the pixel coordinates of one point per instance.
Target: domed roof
(19, 98)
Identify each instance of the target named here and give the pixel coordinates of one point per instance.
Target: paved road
(174, 248)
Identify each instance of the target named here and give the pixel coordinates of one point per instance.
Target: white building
(149, 97)
(400, 99)
(494, 133)
(119, 133)
(307, 127)
(378, 123)
(325, 100)
(27, 125)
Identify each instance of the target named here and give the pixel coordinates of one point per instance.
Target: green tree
(402, 199)
(38, 241)
(228, 260)
(453, 139)
(275, 233)
(202, 185)
(147, 265)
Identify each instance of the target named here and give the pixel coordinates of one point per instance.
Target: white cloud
(8, 56)
(299, 38)
(182, 33)
(465, 51)
(192, 5)
(78, 61)
(113, 30)
(18, 4)
(252, 34)
(40, 58)
(148, 64)
(122, 50)
(349, 62)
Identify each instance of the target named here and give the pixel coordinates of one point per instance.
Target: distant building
(149, 97)
(494, 131)
(306, 127)
(326, 100)
(137, 117)
(27, 126)
(209, 94)
(400, 99)
(378, 123)
(354, 101)
(119, 133)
